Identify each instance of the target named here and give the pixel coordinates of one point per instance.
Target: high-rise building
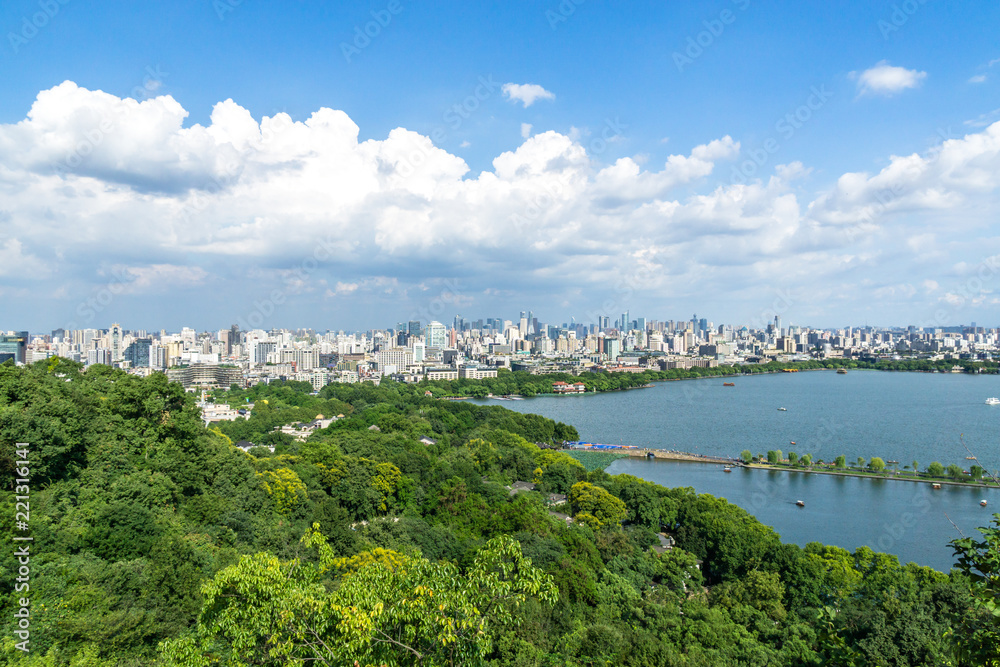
(437, 335)
(137, 352)
(115, 342)
(14, 346)
(413, 328)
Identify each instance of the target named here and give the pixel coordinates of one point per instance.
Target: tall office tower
(413, 328)
(115, 342)
(137, 352)
(640, 323)
(437, 335)
(14, 346)
(523, 326)
(777, 325)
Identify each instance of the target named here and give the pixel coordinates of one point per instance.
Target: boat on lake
(727, 469)
(993, 400)
(782, 409)
(841, 371)
(800, 503)
(982, 503)
(728, 384)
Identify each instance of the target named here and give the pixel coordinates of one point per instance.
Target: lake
(906, 417)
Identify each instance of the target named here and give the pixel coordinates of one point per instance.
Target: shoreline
(684, 457)
(949, 482)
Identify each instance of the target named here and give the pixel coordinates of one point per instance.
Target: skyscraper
(115, 342)
(137, 352)
(14, 346)
(437, 335)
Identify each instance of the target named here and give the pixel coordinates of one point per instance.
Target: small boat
(970, 458)
(727, 469)
(841, 371)
(728, 384)
(935, 486)
(993, 400)
(791, 442)
(782, 409)
(982, 503)
(800, 503)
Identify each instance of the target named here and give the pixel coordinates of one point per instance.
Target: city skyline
(329, 167)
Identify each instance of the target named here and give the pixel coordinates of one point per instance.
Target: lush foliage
(159, 542)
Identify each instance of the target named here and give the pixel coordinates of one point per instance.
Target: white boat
(993, 400)
(782, 409)
(982, 503)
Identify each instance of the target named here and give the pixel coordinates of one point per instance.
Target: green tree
(746, 456)
(955, 472)
(793, 458)
(977, 637)
(876, 464)
(264, 611)
(807, 460)
(841, 461)
(935, 469)
(595, 506)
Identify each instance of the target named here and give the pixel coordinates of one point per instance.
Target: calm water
(897, 416)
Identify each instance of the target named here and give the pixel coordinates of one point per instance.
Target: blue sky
(634, 187)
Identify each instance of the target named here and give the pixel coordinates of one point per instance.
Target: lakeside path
(760, 466)
(688, 457)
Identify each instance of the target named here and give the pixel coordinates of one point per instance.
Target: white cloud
(526, 93)
(978, 78)
(525, 130)
(984, 119)
(885, 79)
(243, 206)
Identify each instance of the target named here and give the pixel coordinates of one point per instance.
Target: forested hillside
(158, 542)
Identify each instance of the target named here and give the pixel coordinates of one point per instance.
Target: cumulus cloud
(525, 130)
(241, 207)
(977, 78)
(526, 93)
(886, 79)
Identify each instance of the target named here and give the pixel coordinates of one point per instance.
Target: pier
(670, 455)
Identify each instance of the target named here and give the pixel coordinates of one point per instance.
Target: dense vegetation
(159, 542)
